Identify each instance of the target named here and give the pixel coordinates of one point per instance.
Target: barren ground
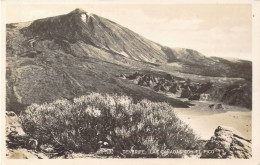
(205, 120)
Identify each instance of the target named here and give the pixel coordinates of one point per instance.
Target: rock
(169, 77)
(156, 88)
(155, 79)
(195, 96)
(211, 105)
(193, 88)
(186, 93)
(12, 124)
(137, 80)
(122, 76)
(47, 148)
(32, 144)
(141, 82)
(15, 136)
(14, 140)
(217, 107)
(168, 83)
(227, 143)
(162, 81)
(105, 151)
(10, 113)
(238, 94)
(204, 96)
(159, 87)
(134, 76)
(173, 88)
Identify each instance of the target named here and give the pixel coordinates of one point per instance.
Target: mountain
(94, 33)
(79, 52)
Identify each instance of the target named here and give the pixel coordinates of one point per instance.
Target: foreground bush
(80, 124)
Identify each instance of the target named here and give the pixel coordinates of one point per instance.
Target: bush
(80, 124)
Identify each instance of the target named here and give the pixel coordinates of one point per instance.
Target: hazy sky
(214, 30)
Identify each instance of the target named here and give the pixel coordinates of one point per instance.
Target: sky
(222, 30)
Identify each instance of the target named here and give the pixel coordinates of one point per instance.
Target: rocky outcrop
(169, 83)
(217, 107)
(227, 143)
(238, 94)
(15, 136)
(164, 83)
(12, 124)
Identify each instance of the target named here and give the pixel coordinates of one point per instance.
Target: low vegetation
(80, 125)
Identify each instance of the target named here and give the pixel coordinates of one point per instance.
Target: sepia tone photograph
(128, 80)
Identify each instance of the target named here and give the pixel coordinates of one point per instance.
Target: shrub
(80, 124)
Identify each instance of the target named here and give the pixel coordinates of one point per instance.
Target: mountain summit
(78, 11)
(84, 29)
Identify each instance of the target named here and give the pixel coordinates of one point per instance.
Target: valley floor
(205, 120)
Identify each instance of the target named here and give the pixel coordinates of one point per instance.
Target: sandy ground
(204, 120)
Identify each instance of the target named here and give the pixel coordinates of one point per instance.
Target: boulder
(15, 136)
(211, 105)
(122, 76)
(193, 88)
(227, 143)
(155, 79)
(162, 81)
(32, 144)
(141, 81)
(169, 77)
(137, 80)
(14, 140)
(217, 107)
(195, 96)
(173, 88)
(204, 96)
(186, 93)
(134, 76)
(162, 88)
(13, 124)
(47, 148)
(156, 88)
(159, 87)
(10, 113)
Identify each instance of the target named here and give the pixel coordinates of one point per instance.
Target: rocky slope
(239, 93)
